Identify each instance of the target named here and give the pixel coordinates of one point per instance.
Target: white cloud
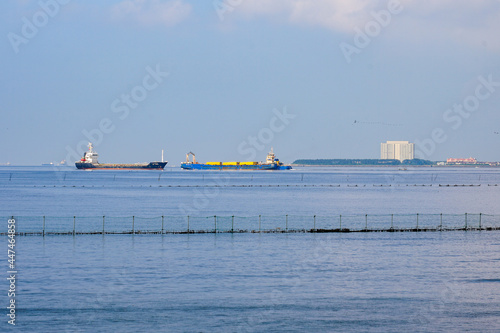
(340, 15)
(463, 21)
(475, 23)
(151, 12)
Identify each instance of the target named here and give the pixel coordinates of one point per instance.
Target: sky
(230, 79)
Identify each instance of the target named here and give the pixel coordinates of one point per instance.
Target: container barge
(272, 163)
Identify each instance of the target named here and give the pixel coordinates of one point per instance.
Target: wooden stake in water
(314, 222)
(259, 223)
(215, 220)
(480, 214)
(74, 218)
(188, 223)
(162, 224)
(465, 221)
(43, 227)
(103, 225)
(133, 224)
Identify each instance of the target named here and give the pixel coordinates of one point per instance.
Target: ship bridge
(91, 156)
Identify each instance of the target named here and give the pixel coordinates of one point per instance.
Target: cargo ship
(272, 163)
(89, 161)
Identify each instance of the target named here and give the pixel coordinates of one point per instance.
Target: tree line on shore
(338, 161)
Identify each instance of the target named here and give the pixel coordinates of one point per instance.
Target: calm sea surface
(356, 282)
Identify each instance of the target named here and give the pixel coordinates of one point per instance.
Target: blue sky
(230, 79)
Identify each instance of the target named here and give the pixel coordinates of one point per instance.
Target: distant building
(469, 160)
(397, 150)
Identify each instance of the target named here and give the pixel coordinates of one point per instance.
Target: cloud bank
(332, 14)
(473, 22)
(151, 12)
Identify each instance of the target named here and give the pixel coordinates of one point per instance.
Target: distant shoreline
(396, 166)
(416, 162)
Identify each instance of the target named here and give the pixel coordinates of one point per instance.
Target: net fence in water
(46, 225)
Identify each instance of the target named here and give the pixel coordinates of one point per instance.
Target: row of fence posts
(260, 220)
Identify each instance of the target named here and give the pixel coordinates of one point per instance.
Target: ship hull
(105, 166)
(198, 166)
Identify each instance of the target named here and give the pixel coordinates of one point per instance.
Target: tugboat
(89, 161)
(272, 163)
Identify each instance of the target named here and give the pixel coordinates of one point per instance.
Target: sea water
(252, 282)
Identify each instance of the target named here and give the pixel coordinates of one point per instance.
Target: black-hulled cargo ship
(89, 161)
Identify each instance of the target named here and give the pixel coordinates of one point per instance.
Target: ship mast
(187, 157)
(270, 156)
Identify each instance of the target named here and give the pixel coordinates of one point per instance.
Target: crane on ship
(187, 157)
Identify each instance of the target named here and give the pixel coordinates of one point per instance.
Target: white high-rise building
(397, 150)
